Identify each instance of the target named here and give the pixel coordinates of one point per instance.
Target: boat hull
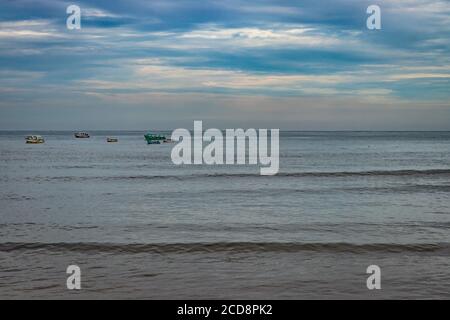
(82, 135)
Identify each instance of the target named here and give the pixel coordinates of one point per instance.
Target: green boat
(154, 138)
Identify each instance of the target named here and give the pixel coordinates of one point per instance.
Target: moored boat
(34, 139)
(154, 138)
(82, 135)
(112, 140)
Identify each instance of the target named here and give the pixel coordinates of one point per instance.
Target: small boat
(154, 138)
(168, 140)
(112, 140)
(34, 139)
(82, 135)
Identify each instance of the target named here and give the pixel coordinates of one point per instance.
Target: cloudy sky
(160, 64)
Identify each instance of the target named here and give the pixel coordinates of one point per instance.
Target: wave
(419, 188)
(394, 173)
(228, 247)
(371, 173)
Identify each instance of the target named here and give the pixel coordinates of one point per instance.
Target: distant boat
(112, 140)
(82, 135)
(34, 139)
(154, 138)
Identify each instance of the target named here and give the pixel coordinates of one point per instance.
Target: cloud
(28, 29)
(408, 76)
(98, 13)
(131, 51)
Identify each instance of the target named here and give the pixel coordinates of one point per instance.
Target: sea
(140, 227)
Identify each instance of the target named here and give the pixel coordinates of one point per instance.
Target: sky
(161, 64)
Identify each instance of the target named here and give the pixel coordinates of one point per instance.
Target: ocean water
(140, 227)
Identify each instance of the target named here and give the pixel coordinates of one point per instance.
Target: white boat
(112, 140)
(34, 139)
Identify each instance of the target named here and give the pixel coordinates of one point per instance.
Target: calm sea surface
(140, 227)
